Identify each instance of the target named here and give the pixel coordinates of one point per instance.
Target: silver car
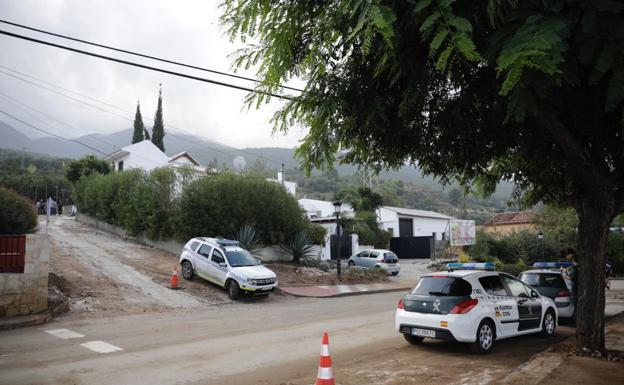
(377, 258)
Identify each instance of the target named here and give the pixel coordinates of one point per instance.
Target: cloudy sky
(183, 30)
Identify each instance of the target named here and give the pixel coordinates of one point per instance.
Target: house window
(120, 165)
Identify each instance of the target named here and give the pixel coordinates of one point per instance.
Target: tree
(158, 131)
(455, 196)
(86, 166)
(139, 128)
(527, 91)
(18, 214)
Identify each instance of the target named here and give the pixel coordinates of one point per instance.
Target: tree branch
(576, 154)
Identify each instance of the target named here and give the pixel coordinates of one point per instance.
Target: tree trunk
(595, 215)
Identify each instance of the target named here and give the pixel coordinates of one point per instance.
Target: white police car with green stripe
(228, 265)
(473, 304)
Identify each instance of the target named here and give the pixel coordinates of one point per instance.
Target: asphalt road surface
(254, 342)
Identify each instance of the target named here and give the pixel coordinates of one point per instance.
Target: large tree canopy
(529, 91)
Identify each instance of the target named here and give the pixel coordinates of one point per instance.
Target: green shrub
(18, 215)
(299, 246)
(316, 233)
(220, 205)
(248, 239)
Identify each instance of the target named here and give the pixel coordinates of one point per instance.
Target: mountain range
(205, 151)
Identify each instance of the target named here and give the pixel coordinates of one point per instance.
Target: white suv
(226, 264)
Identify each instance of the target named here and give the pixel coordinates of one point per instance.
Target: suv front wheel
(233, 290)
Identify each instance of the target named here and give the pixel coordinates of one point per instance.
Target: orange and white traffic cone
(325, 375)
(174, 278)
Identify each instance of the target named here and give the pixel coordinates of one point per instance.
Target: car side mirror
(534, 294)
(258, 260)
(222, 264)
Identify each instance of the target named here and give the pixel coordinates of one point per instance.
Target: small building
(402, 222)
(291, 187)
(146, 156)
(316, 208)
(143, 155)
(510, 222)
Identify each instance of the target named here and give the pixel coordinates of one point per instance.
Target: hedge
(18, 215)
(220, 205)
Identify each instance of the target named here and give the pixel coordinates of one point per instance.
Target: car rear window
(442, 286)
(542, 280)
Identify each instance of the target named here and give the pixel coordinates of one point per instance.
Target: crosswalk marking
(65, 334)
(101, 347)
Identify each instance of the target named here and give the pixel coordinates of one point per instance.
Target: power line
(125, 117)
(134, 64)
(140, 54)
(51, 133)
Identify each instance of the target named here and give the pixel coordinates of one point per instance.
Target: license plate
(423, 333)
(266, 288)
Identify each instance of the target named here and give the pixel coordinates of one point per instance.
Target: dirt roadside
(105, 275)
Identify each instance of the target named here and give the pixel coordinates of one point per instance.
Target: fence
(12, 252)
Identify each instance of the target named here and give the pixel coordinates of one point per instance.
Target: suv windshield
(240, 258)
(442, 286)
(543, 279)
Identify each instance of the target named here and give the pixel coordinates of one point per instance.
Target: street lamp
(540, 236)
(337, 205)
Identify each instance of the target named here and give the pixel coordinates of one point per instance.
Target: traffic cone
(174, 278)
(325, 375)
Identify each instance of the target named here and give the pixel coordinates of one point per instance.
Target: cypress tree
(158, 131)
(137, 136)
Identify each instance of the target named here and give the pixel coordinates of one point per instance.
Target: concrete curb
(24, 321)
(349, 294)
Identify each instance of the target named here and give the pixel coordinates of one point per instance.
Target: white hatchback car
(226, 264)
(473, 306)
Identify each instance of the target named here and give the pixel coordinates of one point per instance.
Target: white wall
(323, 209)
(423, 226)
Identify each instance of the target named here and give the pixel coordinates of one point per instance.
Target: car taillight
(464, 307)
(400, 305)
(563, 293)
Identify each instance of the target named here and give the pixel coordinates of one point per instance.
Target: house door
(406, 227)
(411, 247)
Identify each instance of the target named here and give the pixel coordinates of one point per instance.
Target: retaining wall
(27, 292)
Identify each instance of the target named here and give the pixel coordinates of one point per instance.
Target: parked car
(225, 263)
(377, 258)
(474, 306)
(549, 282)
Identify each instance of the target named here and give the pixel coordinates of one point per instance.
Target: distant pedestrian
(38, 205)
(608, 273)
(60, 208)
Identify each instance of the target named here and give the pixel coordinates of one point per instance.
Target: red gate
(12, 252)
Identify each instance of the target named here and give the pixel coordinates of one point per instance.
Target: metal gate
(12, 252)
(411, 247)
(345, 246)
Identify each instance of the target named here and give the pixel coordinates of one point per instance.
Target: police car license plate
(423, 333)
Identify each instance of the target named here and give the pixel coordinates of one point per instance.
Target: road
(198, 336)
(249, 343)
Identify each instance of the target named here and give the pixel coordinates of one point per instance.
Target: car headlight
(252, 281)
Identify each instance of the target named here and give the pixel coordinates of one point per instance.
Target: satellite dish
(239, 163)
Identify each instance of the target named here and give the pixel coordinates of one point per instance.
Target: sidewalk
(326, 291)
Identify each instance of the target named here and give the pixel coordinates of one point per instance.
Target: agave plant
(248, 239)
(299, 246)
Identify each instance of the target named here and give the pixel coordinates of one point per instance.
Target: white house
(316, 208)
(404, 222)
(144, 155)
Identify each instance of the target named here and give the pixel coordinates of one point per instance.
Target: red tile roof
(511, 218)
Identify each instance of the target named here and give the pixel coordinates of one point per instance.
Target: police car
(547, 279)
(474, 304)
(228, 265)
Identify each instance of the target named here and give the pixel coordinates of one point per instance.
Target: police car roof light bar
(551, 265)
(470, 266)
(227, 242)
